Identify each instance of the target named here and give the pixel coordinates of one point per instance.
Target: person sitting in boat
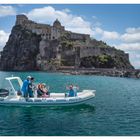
(39, 90)
(72, 90)
(42, 91)
(25, 86)
(31, 87)
(45, 89)
(75, 88)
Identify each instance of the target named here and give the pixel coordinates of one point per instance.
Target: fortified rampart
(48, 31)
(86, 51)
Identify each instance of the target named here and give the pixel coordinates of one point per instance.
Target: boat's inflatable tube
(55, 99)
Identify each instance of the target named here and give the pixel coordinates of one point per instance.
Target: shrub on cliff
(100, 61)
(105, 61)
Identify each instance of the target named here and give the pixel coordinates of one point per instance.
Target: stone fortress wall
(47, 31)
(95, 51)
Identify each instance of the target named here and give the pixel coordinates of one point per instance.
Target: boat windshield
(15, 84)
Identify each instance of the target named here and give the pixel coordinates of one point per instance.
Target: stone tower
(57, 24)
(20, 19)
(57, 30)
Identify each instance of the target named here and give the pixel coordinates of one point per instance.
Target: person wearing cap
(25, 85)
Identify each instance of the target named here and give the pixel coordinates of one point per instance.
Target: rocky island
(36, 46)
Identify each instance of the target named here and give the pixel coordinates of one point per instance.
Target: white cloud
(94, 17)
(132, 35)
(136, 63)
(96, 22)
(129, 46)
(72, 22)
(3, 38)
(98, 31)
(45, 14)
(130, 43)
(7, 10)
(66, 10)
(110, 35)
(130, 38)
(133, 30)
(137, 56)
(106, 35)
(135, 59)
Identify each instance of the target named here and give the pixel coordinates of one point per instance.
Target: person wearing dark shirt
(30, 87)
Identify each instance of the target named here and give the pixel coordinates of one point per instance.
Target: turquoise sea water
(114, 111)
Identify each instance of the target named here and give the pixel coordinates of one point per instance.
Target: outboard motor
(4, 92)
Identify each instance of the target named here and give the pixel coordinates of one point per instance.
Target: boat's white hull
(56, 99)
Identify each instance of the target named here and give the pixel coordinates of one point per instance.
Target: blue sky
(118, 25)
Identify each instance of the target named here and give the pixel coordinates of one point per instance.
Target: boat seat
(54, 95)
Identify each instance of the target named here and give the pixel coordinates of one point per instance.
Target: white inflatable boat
(55, 99)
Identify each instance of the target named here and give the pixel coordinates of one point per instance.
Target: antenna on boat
(12, 75)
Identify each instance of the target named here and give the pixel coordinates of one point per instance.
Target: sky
(116, 24)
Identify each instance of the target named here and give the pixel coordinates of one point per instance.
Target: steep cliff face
(47, 54)
(21, 50)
